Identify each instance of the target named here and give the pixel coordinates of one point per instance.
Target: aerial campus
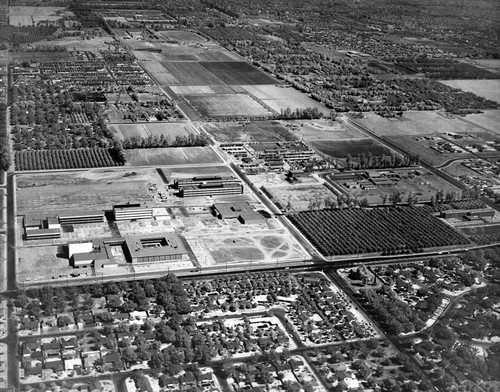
(258, 196)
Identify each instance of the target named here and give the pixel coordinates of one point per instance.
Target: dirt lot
(224, 105)
(257, 131)
(144, 130)
(342, 149)
(172, 156)
(40, 262)
(76, 43)
(86, 190)
(489, 89)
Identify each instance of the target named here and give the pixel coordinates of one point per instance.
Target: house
(112, 361)
(188, 379)
(169, 382)
(56, 366)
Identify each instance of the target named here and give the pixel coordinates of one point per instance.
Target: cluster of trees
(308, 113)
(24, 34)
(395, 315)
(153, 141)
(370, 161)
(378, 230)
(4, 139)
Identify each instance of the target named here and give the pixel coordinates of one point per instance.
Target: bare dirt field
(172, 156)
(257, 131)
(26, 16)
(225, 105)
(281, 97)
(86, 190)
(489, 89)
(171, 130)
(489, 65)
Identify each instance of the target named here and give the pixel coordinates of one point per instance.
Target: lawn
(171, 156)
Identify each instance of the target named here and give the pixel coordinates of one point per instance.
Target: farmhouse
(241, 211)
(131, 211)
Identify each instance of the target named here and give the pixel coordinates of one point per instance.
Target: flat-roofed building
(211, 189)
(156, 248)
(181, 182)
(131, 211)
(43, 234)
(81, 217)
(243, 212)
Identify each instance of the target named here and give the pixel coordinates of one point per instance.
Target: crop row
(340, 232)
(64, 159)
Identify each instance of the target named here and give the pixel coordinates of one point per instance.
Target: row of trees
(4, 139)
(154, 141)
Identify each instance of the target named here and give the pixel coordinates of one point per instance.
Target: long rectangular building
(81, 217)
(132, 211)
(43, 234)
(211, 189)
(181, 182)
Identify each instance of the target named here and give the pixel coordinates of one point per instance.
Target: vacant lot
(77, 43)
(172, 156)
(489, 89)
(40, 263)
(144, 130)
(227, 105)
(324, 130)
(353, 148)
(191, 74)
(256, 131)
(299, 197)
(181, 36)
(238, 73)
(89, 190)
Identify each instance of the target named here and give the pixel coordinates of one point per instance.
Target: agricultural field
(255, 131)
(488, 120)
(191, 74)
(352, 148)
(227, 106)
(279, 97)
(82, 190)
(64, 159)
(489, 89)
(386, 230)
(172, 156)
(238, 73)
(31, 16)
(181, 36)
(144, 130)
(310, 131)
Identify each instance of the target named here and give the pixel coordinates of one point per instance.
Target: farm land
(483, 88)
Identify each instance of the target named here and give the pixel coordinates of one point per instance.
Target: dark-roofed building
(81, 217)
(241, 211)
(131, 211)
(211, 189)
